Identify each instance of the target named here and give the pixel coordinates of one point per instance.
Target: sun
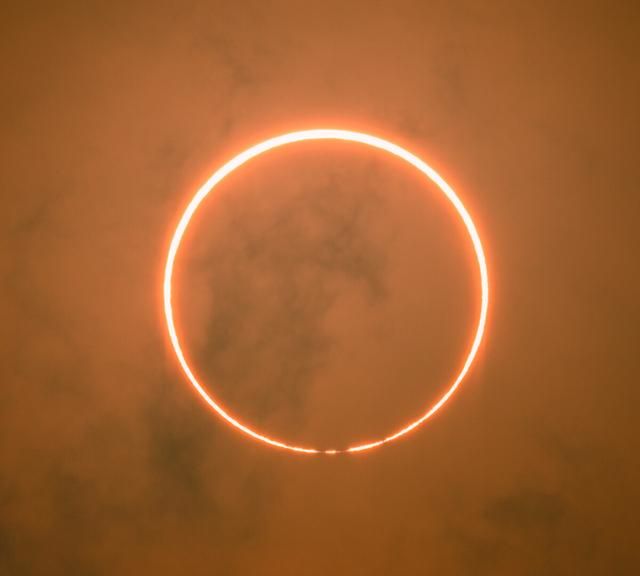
(303, 136)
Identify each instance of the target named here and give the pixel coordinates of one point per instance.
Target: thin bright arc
(325, 134)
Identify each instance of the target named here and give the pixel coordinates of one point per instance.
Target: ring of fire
(325, 134)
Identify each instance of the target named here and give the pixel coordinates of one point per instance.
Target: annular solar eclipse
(290, 139)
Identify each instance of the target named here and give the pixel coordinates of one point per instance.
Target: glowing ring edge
(302, 136)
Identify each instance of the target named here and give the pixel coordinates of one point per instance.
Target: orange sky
(326, 293)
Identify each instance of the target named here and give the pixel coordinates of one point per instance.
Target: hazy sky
(326, 293)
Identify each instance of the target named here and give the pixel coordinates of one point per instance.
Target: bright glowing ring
(325, 134)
